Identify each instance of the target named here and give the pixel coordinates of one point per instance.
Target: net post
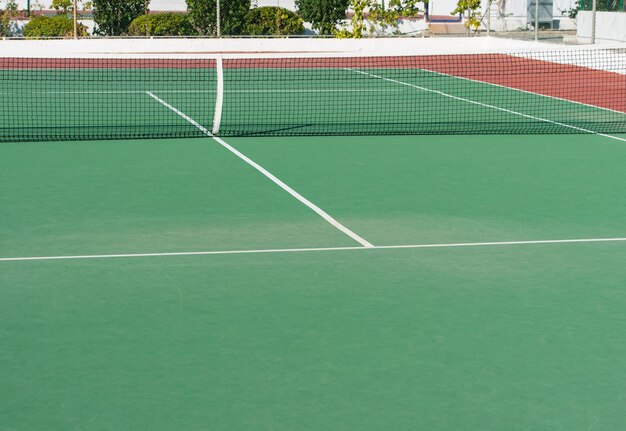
(219, 99)
(593, 22)
(536, 20)
(75, 19)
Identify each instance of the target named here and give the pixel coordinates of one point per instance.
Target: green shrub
(52, 26)
(203, 13)
(273, 21)
(164, 24)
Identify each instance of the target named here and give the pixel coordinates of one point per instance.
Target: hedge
(52, 26)
(273, 21)
(164, 24)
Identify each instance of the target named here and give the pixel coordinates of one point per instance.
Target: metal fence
(198, 18)
(162, 17)
(247, 18)
(174, 18)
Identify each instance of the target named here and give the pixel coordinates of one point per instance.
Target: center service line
(265, 172)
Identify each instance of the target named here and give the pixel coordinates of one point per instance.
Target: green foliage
(601, 5)
(8, 28)
(473, 8)
(113, 17)
(273, 21)
(52, 26)
(163, 24)
(397, 9)
(203, 16)
(381, 20)
(324, 15)
(357, 22)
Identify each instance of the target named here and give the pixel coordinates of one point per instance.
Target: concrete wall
(610, 27)
(295, 47)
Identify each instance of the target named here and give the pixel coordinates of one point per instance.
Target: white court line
(319, 249)
(486, 105)
(304, 91)
(265, 172)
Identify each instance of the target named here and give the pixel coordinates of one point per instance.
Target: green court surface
(309, 329)
(433, 282)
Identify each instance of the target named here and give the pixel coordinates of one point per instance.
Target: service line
(319, 249)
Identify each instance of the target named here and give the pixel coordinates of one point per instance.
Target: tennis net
(566, 91)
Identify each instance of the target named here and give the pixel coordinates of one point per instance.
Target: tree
(113, 17)
(8, 27)
(324, 15)
(66, 7)
(472, 7)
(203, 16)
(63, 7)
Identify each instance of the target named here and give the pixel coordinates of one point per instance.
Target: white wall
(610, 26)
(295, 47)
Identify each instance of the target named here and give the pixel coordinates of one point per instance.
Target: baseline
(253, 91)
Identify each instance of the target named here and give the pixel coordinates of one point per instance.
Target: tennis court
(304, 249)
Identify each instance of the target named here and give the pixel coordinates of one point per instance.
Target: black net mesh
(578, 91)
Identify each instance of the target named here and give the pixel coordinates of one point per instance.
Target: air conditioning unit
(545, 12)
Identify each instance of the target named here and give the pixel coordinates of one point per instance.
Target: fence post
(218, 26)
(469, 15)
(147, 20)
(536, 20)
(489, 18)
(75, 18)
(593, 22)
